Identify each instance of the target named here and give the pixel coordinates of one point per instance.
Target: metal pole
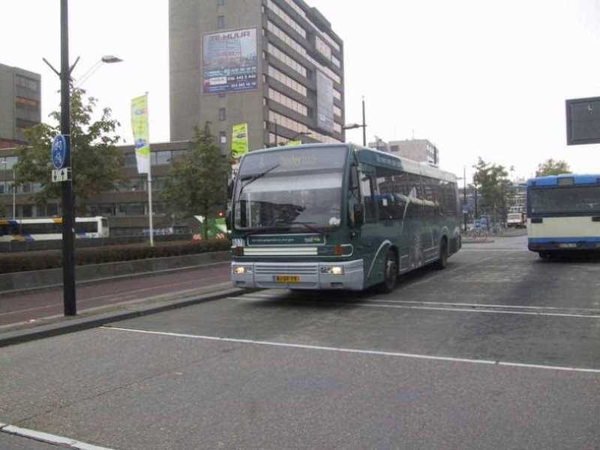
(364, 124)
(70, 303)
(14, 192)
(465, 195)
(150, 213)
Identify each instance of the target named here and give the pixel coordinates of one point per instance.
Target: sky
(478, 78)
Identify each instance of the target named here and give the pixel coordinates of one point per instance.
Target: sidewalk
(28, 316)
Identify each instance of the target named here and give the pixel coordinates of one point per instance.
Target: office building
(20, 104)
(420, 150)
(126, 208)
(275, 65)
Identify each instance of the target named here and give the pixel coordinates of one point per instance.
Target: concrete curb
(84, 323)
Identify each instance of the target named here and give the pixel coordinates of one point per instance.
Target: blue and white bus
(563, 214)
(50, 229)
(339, 217)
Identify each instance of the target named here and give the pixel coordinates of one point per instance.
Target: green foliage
(552, 167)
(491, 181)
(197, 183)
(52, 259)
(97, 162)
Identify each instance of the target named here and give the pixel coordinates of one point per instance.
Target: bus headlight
(242, 270)
(332, 270)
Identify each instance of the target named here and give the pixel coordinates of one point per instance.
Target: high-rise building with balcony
(275, 65)
(20, 104)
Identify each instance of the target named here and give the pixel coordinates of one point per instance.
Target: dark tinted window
(565, 200)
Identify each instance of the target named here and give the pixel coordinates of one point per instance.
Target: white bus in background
(563, 214)
(50, 229)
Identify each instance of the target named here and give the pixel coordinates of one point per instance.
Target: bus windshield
(281, 189)
(580, 200)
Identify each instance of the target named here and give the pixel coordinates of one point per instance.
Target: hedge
(52, 259)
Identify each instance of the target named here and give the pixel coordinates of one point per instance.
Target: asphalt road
(500, 350)
(35, 306)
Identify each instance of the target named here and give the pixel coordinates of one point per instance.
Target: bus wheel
(544, 255)
(442, 262)
(390, 272)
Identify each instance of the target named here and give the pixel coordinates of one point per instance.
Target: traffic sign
(58, 152)
(60, 175)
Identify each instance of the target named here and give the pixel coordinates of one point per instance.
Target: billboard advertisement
(324, 102)
(230, 62)
(239, 140)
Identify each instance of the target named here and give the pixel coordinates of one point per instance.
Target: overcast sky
(482, 78)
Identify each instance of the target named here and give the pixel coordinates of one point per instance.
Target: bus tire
(390, 272)
(442, 262)
(544, 255)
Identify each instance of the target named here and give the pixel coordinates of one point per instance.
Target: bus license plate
(287, 279)
(567, 245)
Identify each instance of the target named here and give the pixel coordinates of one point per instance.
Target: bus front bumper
(287, 275)
(562, 244)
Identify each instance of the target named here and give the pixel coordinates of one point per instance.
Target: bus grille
(283, 269)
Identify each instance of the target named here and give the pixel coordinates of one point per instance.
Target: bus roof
(554, 180)
(374, 157)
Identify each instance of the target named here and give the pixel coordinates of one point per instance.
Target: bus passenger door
(369, 240)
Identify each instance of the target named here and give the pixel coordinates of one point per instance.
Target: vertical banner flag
(239, 140)
(139, 125)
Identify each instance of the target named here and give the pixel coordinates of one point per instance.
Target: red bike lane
(33, 306)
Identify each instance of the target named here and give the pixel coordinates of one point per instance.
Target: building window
(221, 22)
(288, 102)
(222, 114)
(220, 2)
(223, 141)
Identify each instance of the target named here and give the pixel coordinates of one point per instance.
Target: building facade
(126, 207)
(20, 104)
(275, 65)
(421, 150)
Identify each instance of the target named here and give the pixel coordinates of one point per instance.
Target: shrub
(52, 259)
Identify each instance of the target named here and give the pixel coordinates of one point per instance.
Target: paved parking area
(501, 350)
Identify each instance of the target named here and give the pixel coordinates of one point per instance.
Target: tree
(552, 167)
(491, 181)
(97, 162)
(198, 180)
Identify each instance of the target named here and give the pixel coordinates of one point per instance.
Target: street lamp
(299, 135)
(106, 59)
(353, 126)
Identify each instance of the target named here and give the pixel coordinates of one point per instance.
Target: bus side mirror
(358, 211)
(228, 219)
(230, 189)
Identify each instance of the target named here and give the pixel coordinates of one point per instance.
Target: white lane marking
(49, 438)
(473, 310)
(373, 304)
(483, 305)
(355, 351)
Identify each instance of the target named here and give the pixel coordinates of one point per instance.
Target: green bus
(338, 216)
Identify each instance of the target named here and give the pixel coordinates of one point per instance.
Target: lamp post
(14, 193)
(353, 126)
(465, 195)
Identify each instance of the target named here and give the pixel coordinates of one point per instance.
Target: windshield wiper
(252, 178)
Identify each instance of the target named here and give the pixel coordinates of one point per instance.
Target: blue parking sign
(58, 152)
